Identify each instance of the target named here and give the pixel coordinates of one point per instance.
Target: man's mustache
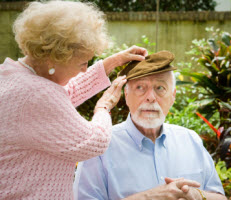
(150, 107)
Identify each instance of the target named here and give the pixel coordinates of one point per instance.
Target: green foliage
(225, 176)
(146, 44)
(222, 171)
(147, 5)
(150, 5)
(183, 113)
(214, 56)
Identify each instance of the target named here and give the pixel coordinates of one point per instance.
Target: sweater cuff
(105, 81)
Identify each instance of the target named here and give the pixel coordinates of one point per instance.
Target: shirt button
(162, 178)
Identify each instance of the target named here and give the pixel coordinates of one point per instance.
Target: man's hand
(170, 191)
(190, 192)
(185, 188)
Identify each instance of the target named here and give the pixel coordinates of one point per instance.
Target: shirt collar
(137, 136)
(163, 134)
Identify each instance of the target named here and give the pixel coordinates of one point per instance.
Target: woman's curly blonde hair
(59, 30)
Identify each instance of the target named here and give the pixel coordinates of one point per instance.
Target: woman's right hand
(123, 57)
(112, 95)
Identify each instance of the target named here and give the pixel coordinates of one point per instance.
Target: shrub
(214, 56)
(225, 176)
(150, 5)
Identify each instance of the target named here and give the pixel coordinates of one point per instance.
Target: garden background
(200, 39)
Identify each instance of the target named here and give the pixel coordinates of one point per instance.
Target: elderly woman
(41, 134)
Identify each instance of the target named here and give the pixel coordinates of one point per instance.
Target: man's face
(149, 99)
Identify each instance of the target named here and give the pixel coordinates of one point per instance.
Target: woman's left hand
(119, 59)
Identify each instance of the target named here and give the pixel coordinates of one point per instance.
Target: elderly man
(147, 158)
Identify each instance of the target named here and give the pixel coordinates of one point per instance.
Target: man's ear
(126, 93)
(173, 96)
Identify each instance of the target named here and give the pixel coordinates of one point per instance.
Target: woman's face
(64, 72)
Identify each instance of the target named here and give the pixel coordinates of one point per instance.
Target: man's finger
(185, 188)
(190, 183)
(170, 180)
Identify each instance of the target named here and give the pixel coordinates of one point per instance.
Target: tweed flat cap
(153, 64)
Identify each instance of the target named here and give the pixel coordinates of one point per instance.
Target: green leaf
(183, 82)
(211, 67)
(206, 101)
(222, 50)
(212, 43)
(219, 58)
(227, 64)
(226, 38)
(204, 81)
(222, 171)
(225, 105)
(208, 109)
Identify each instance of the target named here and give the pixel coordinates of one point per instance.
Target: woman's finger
(112, 95)
(139, 50)
(137, 57)
(114, 84)
(118, 89)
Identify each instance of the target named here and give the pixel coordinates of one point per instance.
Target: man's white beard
(150, 120)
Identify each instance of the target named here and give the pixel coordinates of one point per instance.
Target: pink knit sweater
(41, 134)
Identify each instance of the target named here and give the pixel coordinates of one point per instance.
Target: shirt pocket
(195, 175)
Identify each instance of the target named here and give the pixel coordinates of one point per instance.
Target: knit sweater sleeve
(85, 85)
(50, 123)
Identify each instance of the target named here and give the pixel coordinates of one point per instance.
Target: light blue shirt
(133, 163)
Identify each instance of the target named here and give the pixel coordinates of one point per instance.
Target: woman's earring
(51, 71)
